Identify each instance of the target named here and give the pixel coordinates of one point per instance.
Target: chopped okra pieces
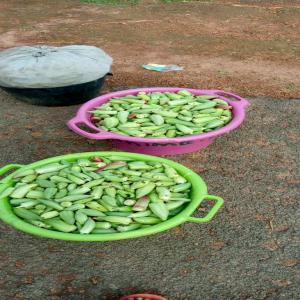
(162, 115)
(120, 194)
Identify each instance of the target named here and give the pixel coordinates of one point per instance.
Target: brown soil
(246, 47)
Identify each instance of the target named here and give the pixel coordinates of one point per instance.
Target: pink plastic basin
(144, 296)
(158, 146)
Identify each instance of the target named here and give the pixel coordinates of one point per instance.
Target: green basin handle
(7, 168)
(218, 203)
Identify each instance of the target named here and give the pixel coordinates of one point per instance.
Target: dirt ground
(250, 47)
(250, 250)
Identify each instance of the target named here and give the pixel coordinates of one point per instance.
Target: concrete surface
(249, 251)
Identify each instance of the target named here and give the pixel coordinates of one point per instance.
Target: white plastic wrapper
(48, 67)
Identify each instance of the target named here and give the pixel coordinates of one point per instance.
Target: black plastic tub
(59, 96)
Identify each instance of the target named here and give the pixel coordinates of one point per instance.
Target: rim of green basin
(198, 193)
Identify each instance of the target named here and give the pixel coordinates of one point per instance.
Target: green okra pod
(51, 204)
(60, 225)
(75, 179)
(80, 191)
(157, 119)
(29, 178)
(147, 220)
(62, 185)
(66, 203)
(71, 198)
(171, 133)
(109, 200)
(95, 205)
(60, 194)
(122, 208)
(122, 116)
(80, 217)
(110, 191)
(75, 207)
(58, 179)
(92, 212)
(181, 187)
(71, 187)
(160, 210)
(97, 192)
(39, 224)
(118, 213)
(24, 173)
(93, 183)
(214, 124)
(153, 196)
(129, 202)
(128, 227)
(141, 204)
(82, 176)
(5, 193)
(145, 190)
(50, 214)
(88, 226)
(114, 178)
(138, 165)
(163, 193)
(50, 192)
(16, 202)
(22, 190)
(174, 204)
(50, 168)
(117, 220)
(29, 204)
(184, 129)
(184, 93)
(45, 183)
(145, 213)
(180, 199)
(102, 225)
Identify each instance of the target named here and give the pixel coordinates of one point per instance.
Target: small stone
(290, 262)
(100, 254)
(270, 245)
(19, 263)
(281, 228)
(95, 280)
(282, 282)
(28, 279)
(217, 245)
(67, 278)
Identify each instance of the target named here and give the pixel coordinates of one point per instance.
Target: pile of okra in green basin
(162, 115)
(98, 195)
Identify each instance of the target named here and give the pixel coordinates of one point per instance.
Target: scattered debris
(162, 68)
(290, 263)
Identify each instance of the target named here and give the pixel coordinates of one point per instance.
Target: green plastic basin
(198, 194)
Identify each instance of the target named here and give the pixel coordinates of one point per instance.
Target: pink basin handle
(99, 135)
(143, 296)
(241, 100)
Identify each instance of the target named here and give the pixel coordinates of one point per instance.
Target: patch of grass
(112, 2)
(130, 2)
(291, 87)
(171, 1)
